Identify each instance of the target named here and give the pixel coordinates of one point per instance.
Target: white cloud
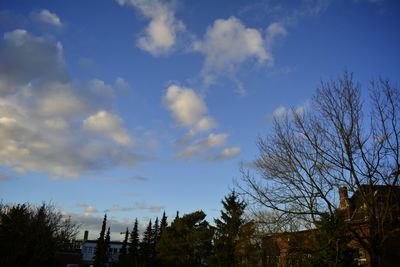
(100, 87)
(160, 36)
(228, 43)
(42, 113)
(280, 111)
(205, 148)
(48, 17)
(87, 209)
(59, 100)
(188, 109)
(108, 124)
(228, 153)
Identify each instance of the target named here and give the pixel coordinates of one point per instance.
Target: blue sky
(134, 107)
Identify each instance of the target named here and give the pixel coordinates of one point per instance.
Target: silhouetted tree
(156, 232)
(331, 243)
(100, 255)
(163, 223)
(31, 236)
(133, 250)
(233, 235)
(340, 139)
(123, 261)
(146, 245)
(187, 242)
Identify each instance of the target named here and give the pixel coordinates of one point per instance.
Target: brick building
(293, 249)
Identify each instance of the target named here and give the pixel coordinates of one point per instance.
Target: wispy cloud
(48, 17)
(136, 206)
(87, 209)
(203, 146)
(139, 178)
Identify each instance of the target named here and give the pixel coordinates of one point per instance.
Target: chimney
(85, 236)
(344, 198)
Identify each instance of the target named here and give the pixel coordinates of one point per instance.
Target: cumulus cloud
(107, 124)
(98, 86)
(228, 43)
(49, 123)
(47, 17)
(25, 57)
(160, 36)
(188, 109)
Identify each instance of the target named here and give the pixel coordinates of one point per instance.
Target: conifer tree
(156, 232)
(107, 246)
(230, 230)
(146, 245)
(100, 255)
(163, 223)
(133, 250)
(123, 251)
(187, 242)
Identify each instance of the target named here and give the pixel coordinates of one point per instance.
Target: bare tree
(338, 141)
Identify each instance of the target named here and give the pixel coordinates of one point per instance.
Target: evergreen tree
(331, 243)
(31, 236)
(100, 255)
(133, 250)
(154, 242)
(233, 234)
(187, 242)
(123, 252)
(163, 223)
(156, 232)
(107, 246)
(146, 245)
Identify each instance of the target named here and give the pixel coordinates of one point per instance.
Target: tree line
(189, 240)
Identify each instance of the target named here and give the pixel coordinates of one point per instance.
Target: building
(291, 249)
(88, 249)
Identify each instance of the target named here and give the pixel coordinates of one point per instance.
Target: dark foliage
(31, 236)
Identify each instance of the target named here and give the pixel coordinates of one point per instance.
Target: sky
(134, 107)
